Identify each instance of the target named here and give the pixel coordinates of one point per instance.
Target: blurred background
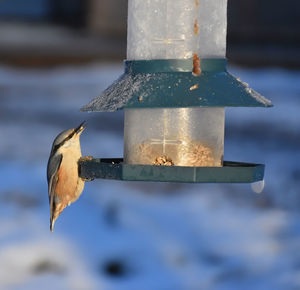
(55, 56)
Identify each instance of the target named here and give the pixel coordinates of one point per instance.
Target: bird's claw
(85, 158)
(87, 179)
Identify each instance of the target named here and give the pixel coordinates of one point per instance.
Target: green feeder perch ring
(230, 172)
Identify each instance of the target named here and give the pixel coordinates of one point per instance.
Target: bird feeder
(174, 91)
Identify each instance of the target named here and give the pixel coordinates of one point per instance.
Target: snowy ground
(140, 236)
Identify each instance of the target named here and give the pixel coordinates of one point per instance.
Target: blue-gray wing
(52, 168)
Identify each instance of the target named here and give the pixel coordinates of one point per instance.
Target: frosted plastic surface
(183, 137)
(166, 29)
(170, 29)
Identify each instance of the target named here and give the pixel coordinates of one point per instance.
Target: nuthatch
(64, 184)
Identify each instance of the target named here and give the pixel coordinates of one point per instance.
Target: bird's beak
(80, 128)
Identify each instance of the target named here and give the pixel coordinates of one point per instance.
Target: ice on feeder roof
(145, 90)
(118, 94)
(169, 29)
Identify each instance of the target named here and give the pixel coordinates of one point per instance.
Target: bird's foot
(87, 179)
(85, 158)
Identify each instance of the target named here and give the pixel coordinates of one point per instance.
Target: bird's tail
(53, 218)
(52, 212)
(55, 211)
(52, 222)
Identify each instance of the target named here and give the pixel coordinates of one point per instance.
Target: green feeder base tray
(230, 172)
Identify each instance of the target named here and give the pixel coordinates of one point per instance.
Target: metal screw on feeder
(174, 92)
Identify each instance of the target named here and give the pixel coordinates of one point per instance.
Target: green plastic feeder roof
(171, 84)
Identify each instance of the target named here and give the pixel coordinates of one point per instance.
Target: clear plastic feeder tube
(175, 29)
(160, 29)
(180, 137)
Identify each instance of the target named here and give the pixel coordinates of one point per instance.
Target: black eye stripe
(70, 136)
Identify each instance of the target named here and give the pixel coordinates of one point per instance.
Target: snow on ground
(126, 235)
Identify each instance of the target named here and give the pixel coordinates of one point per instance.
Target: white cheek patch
(68, 144)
